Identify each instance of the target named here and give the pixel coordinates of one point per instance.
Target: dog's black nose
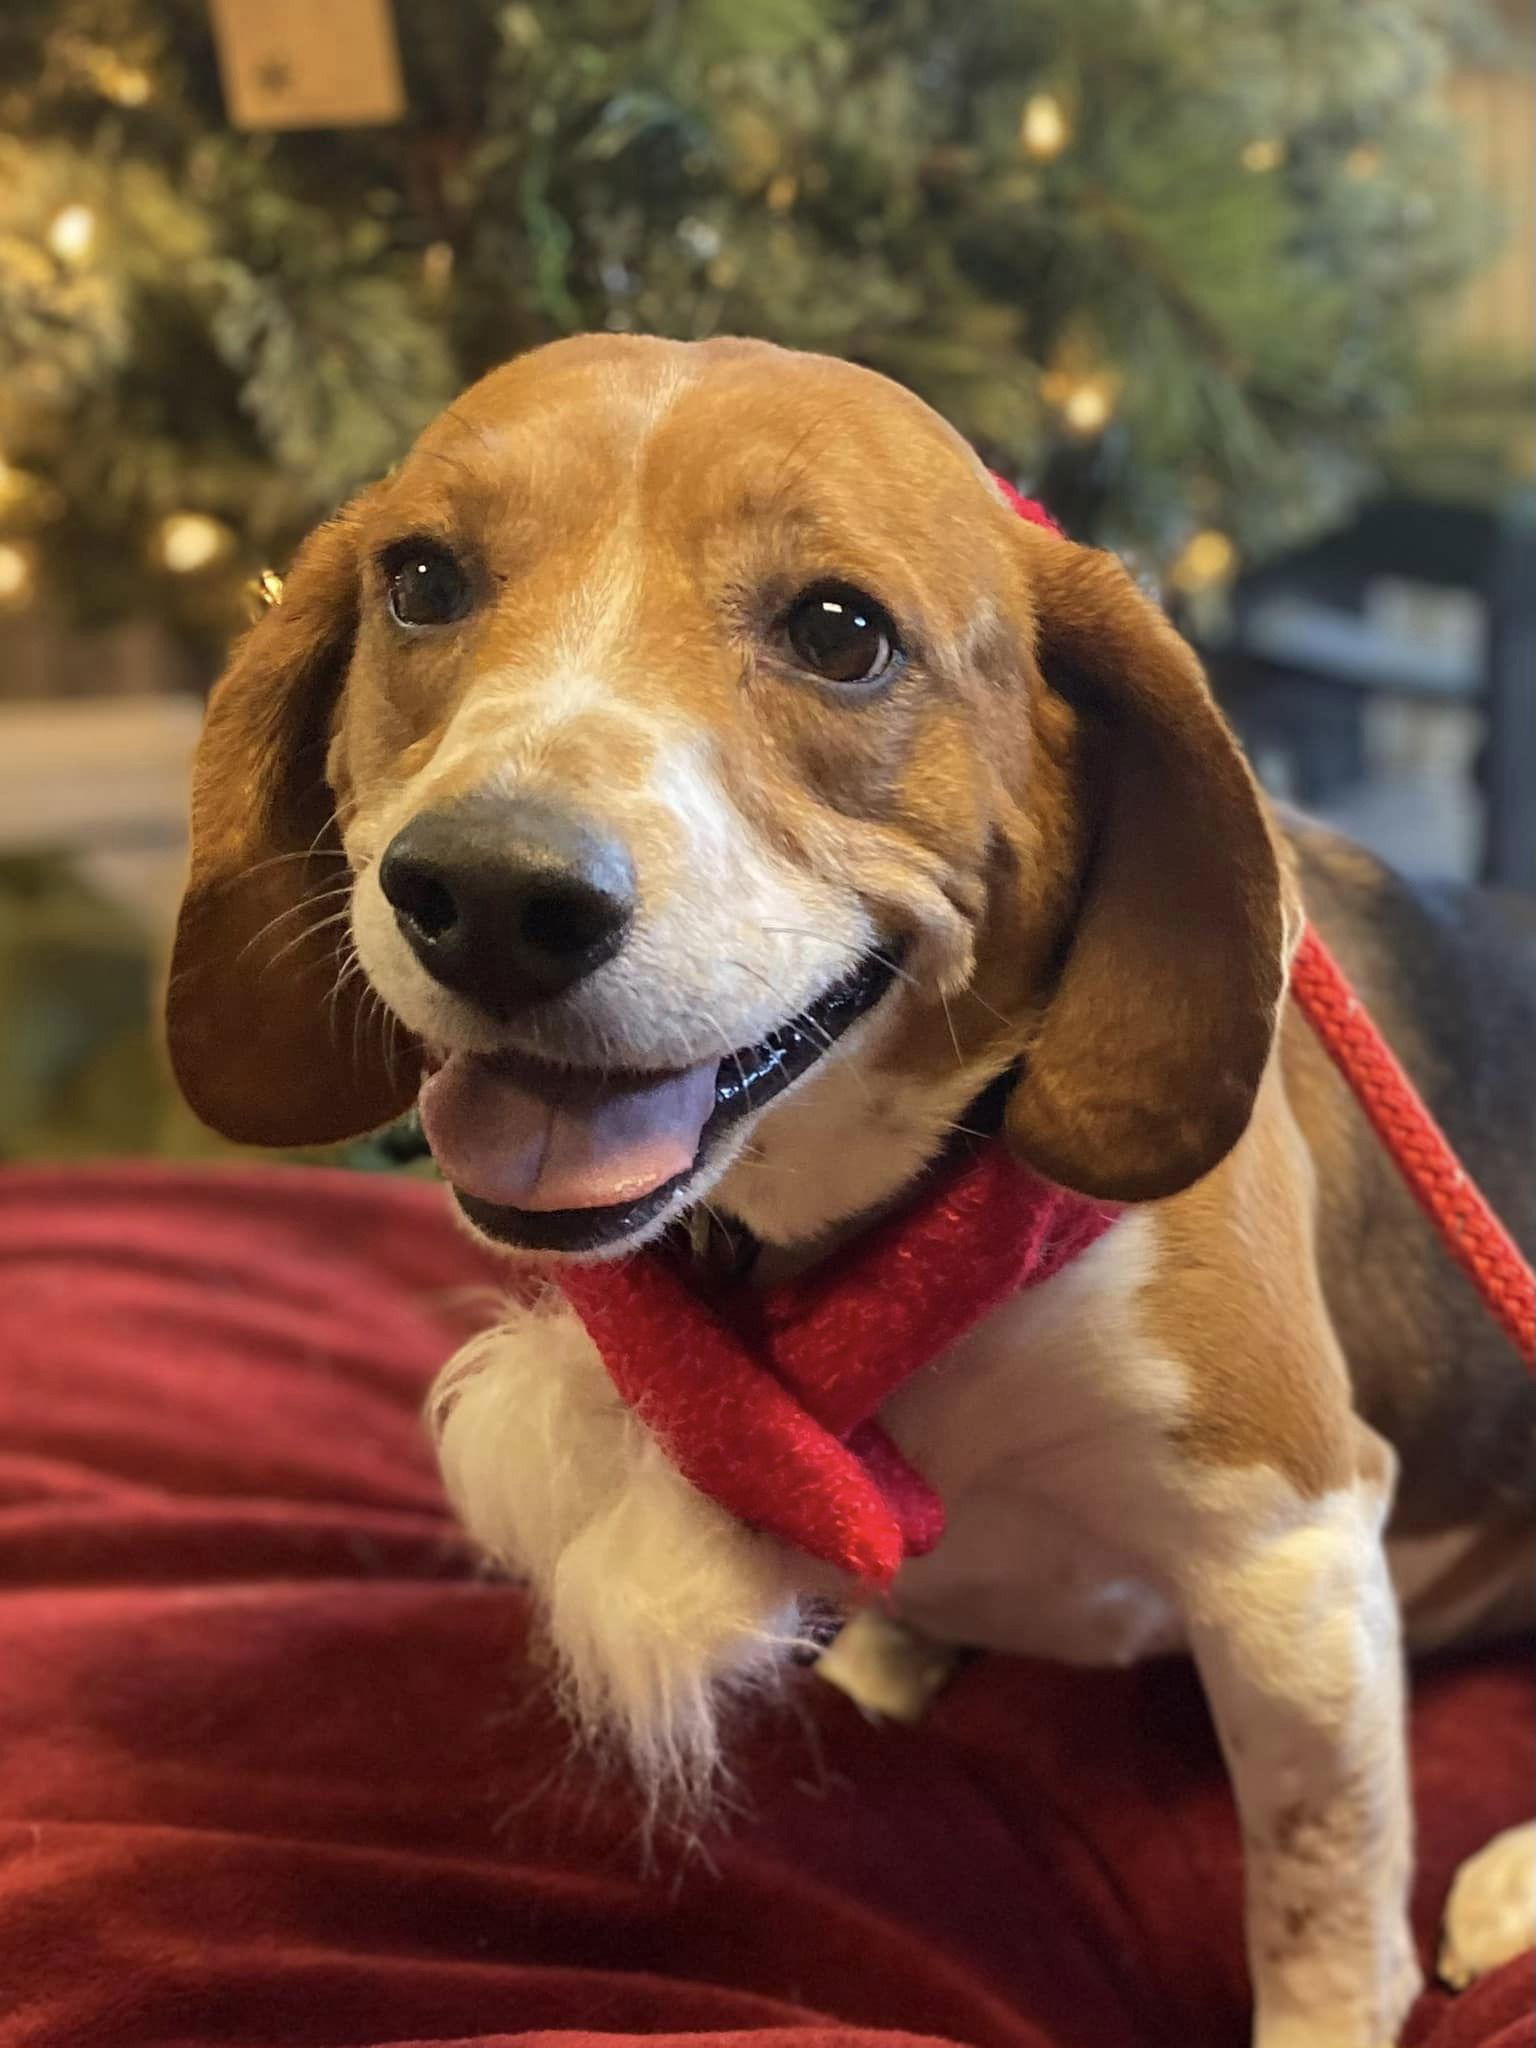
(507, 900)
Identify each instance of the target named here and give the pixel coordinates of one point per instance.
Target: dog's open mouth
(563, 1159)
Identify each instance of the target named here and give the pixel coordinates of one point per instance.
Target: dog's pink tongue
(546, 1140)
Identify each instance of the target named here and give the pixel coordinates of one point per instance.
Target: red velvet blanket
(274, 1768)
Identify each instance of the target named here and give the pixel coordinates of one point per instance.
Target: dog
(667, 696)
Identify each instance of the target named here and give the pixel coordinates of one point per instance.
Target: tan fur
(1234, 1296)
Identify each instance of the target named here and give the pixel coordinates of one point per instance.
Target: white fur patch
(1047, 1430)
(844, 1142)
(736, 942)
(658, 1604)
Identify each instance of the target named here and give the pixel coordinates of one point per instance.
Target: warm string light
(1089, 408)
(1044, 129)
(1264, 153)
(185, 542)
(125, 84)
(27, 499)
(117, 79)
(1085, 401)
(14, 487)
(437, 261)
(72, 233)
(18, 576)
(1269, 152)
(1207, 561)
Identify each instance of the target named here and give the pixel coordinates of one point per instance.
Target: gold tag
(262, 592)
(293, 64)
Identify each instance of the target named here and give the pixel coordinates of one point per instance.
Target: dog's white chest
(1020, 1576)
(1043, 1432)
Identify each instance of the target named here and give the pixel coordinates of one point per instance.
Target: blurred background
(1243, 288)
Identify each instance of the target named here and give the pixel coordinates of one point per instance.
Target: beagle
(674, 704)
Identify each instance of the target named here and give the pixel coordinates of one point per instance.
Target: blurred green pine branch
(1253, 205)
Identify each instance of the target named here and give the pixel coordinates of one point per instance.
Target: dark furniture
(1307, 648)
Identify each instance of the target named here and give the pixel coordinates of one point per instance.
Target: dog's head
(690, 773)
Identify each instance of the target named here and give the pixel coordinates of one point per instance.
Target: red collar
(765, 1401)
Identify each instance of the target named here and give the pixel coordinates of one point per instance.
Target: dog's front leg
(1295, 1628)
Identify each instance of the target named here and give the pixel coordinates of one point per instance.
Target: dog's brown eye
(427, 587)
(841, 634)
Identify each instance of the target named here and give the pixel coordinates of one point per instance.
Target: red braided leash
(1473, 1235)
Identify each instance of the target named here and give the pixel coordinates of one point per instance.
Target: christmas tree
(1163, 260)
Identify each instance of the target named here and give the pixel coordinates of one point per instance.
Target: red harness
(765, 1400)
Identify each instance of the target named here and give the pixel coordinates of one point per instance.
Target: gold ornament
(188, 541)
(261, 593)
(1207, 561)
(1044, 130)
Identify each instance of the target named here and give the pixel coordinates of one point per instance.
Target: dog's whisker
(835, 1051)
(954, 1036)
(734, 1055)
(384, 1018)
(1010, 1023)
(294, 910)
(310, 931)
(895, 967)
(349, 967)
(314, 850)
(884, 959)
(392, 1047)
(361, 1016)
(278, 860)
(753, 1161)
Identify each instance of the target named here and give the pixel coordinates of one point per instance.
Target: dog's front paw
(887, 1669)
(1490, 1917)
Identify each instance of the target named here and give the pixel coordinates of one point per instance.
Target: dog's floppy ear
(1143, 1070)
(269, 1033)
